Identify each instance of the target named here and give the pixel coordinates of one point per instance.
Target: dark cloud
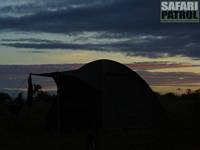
(141, 45)
(170, 78)
(28, 40)
(27, 7)
(116, 18)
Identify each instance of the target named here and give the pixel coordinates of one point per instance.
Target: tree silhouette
(4, 97)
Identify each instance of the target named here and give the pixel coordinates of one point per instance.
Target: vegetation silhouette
(103, 105)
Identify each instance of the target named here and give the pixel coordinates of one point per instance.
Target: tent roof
(94, 68)
(95, 72)
(123, 98)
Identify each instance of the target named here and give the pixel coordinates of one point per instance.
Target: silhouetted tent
(104, 94)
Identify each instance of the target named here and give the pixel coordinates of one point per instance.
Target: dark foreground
(23, 128)
(79, 142)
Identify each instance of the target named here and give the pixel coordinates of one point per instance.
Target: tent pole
(59, 105)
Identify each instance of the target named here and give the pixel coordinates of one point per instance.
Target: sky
(38, 32)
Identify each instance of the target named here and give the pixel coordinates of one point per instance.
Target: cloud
(29, 40)
(141, 45)
(30, 7)
(170, 78)
(136, 20)
(116, 16)
(152, 66)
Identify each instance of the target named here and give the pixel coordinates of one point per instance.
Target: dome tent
(103, 94)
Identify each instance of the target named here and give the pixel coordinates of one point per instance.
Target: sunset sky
(38, 32)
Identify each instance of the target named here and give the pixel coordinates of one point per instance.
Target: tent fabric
(104, 94)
